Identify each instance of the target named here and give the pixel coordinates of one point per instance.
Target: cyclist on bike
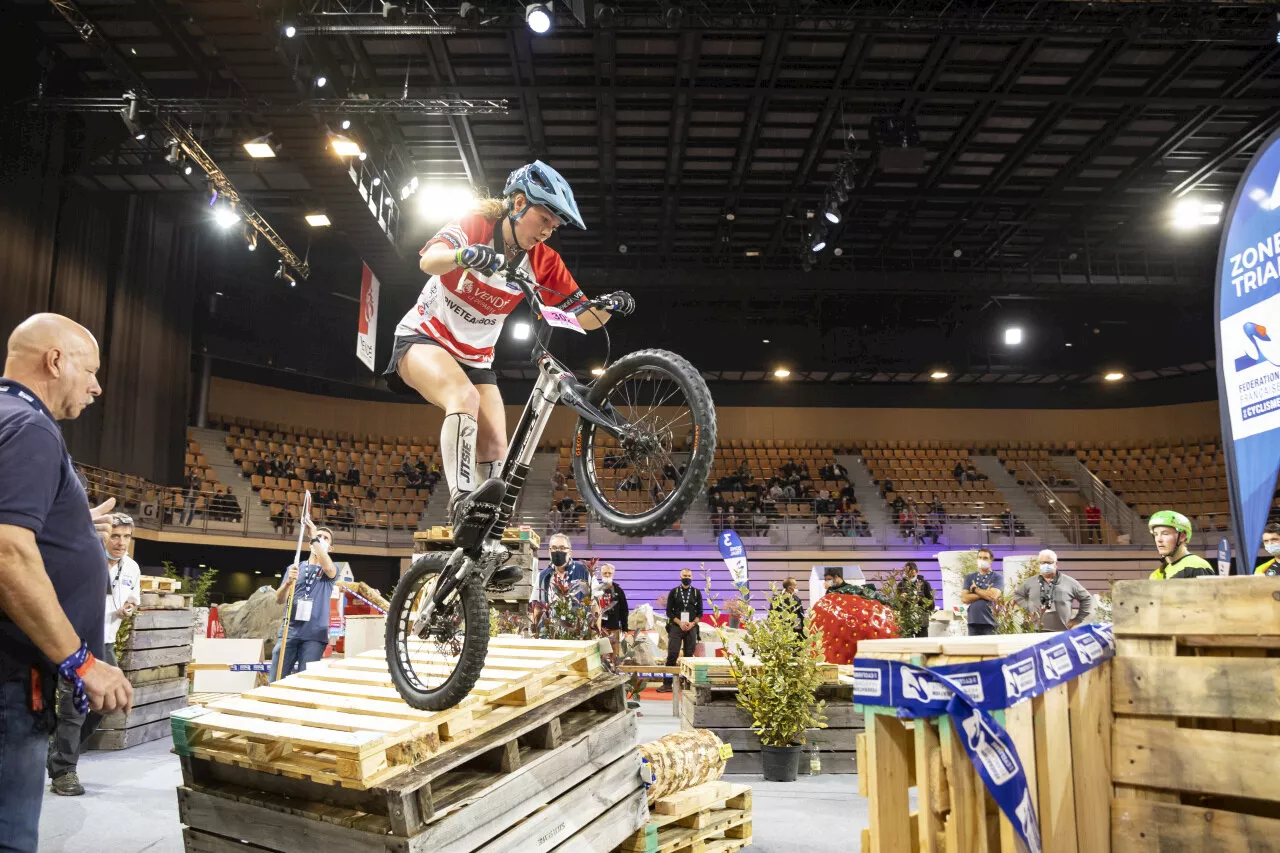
(444, 345)
(1172, 531)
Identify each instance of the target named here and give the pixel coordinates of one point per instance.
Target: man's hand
(126, 610)
(309, 526)
(107, 688)
(291, 576)
(101, 515)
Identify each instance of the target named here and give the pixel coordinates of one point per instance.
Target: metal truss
(336, 106)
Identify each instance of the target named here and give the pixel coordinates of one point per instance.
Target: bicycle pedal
(475, 513)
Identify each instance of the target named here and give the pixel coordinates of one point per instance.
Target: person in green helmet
(1172, 531)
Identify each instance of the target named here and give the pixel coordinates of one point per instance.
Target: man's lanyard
(685, 595)
(305, 591)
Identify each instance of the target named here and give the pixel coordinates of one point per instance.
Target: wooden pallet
(1196, 696)
(717, 709)
(523, 548)
(153, 583)
(148, 720)
(715, 671)
(443, 536)
(560, 776)
(714, 816)
(1061, 737)
(342, 722)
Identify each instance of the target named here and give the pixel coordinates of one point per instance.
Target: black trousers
(73, 728)
(676, 639)
(981, 630)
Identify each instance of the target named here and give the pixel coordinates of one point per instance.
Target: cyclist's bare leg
(491, 447)
(434, 374)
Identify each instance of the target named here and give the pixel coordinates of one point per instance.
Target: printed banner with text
(1248, 339)
(367, 331)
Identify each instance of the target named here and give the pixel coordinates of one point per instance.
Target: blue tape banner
(1247, 333)
(249, 667)
(968, 692)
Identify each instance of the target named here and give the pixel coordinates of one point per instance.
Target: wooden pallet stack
(714, 817)
(709, 700)
(1196, 696)
(541, 756)
(1062, 738)
(523, 545)
(154, 655)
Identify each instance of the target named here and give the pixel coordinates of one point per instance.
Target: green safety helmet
(1169, 518)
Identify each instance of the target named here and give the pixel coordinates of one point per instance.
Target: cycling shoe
(474, 513)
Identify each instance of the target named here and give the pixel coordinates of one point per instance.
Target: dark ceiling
(1045, 144)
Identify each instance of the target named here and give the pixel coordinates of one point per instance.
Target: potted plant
(778, 686)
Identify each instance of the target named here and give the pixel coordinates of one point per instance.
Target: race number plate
(561, 320)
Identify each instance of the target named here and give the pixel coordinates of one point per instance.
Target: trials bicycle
(635, 421)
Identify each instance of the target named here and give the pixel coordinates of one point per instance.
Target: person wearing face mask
(1050, 594)
(309, 619)
(565, 570)
(833, 577)
(981, 588)
(1271, 544)
(613, 604)
(684, 609)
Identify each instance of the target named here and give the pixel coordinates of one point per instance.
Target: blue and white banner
(735, 559)
(968, 692)
(1248, 347)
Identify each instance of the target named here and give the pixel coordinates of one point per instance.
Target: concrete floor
(130, 804)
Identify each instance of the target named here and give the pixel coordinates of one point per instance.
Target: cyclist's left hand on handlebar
(619, 302)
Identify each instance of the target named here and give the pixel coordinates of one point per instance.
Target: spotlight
(820, 244)
(282, 273)
(819, 237)
(837, 251)
(1113, 376)
(832, 213)
(346, 124)
(673, 16)
(441, 203)
(470, 14)
(1191, 213)
(782, 373)
(251, 238)
(605, 13)
(187, 170)
(520, 331)
(344, 146)
(1013, 336)
(175, 153)
(225, 215)
(377, 181)
(622, 248)
(290, 31)
(409, 188)
(597, 371)
(955, 253)
(363, 155)
(321, 81)
(538, 17)
(261, 148)
(317, 220)
(939, 374)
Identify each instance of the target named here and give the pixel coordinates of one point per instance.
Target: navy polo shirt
(39, 491)
(315, 585)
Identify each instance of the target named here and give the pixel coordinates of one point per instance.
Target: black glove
(481, 258)
(619, 302)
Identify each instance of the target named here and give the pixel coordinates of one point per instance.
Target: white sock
(489, 470)
(458, 452)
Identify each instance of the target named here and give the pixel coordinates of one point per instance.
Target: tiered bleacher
(922, 470)
(1189, 475)
(368, 481)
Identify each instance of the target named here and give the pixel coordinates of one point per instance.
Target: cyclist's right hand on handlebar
(481, 258)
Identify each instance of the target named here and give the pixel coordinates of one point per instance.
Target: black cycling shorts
(477, 375)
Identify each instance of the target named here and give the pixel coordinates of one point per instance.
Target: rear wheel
(436, 672)
(636, 486)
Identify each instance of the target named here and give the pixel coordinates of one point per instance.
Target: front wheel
(643, 484)
(436, 671)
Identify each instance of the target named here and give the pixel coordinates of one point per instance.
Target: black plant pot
(781, 763)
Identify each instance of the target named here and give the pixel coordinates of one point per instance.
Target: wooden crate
(1196, 696)
(1062, 737)
(153, 583)
(562, 776)
(154, 656)
(715, 671)
(342, 722)
(714, 817)
(717, 709)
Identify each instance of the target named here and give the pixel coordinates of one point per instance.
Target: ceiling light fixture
(1012, 336)
(261, 148)
(781, 373)
(251, 238)
(317, 220)
(520, 331)
(321, 81)
(538, 17)
(445, 202)
(1194, 213)
(225, 215)
(832, 213)
(1113, 376)
(346, 124)
(939, 374)
(290, 31)
(344, 146)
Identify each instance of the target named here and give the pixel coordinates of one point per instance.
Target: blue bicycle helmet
(543, 185)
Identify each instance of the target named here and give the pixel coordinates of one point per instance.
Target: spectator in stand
(194, 485)
(408, 472)
(278, 467)
(422, 468)
(331, 495)
(613, 607)
(834, 471)
(433, 475)
(886, 486)
(328, 475)
(371, 493)
(555, 519)
(263, 468)
(353, 475)
(285, 519)
(787, 469)
(1051, 593)
(916, 588)
(981, 588)
(958, 473)
(557, 480)
(1093, 524)
(684, 609)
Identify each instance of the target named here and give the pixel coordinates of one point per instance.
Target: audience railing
(1050, 502)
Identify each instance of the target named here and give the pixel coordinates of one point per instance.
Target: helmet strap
(514, 217)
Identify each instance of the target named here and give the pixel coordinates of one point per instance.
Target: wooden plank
(1233, 764)
(1222, 607)
(1089, 704)
(695, 799)
(126, 738)
(195, 841)
(344, 721)
(1129, 647)
(564, 816)
(1054, 774)
(148, 620)
(308, 736)
(889, 752)
(156, 691)
(1214, 687)
(161, 638)
(862, 761)
(929, 808)
(746, 740)
(274, 829)
(962, 828)
(1140, 826)
(1019, 722)
(158, 673)
(148, 658)
(277, 692)
(143, 714)
(612, 828)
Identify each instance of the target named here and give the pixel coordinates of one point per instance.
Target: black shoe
(666, 688)
(475, 513)
(67, 784)
(504, 578)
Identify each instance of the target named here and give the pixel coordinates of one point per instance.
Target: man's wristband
(313, 540)
(73, 670)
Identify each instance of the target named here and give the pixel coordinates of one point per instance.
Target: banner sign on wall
(735, 559)
(367, 331)
(1248, 347)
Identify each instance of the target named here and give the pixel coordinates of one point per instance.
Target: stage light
(673, 16)
(321, 81)
(261, 148)
(409, 188)
(939, 374)
(317, 220)
(1113, 376)
(1192, 213)
(781, 373)
(441, 203)
(597, 371)
(290, 31)
(538, 17)
(1013, 336)
(175, 153)
(346, 124)
(605, 13)
(470, 14)
(520, 331)
(377, 181)
(344, 146)
(832, 212)
(187, 170)
(225, 215)
(251, 238)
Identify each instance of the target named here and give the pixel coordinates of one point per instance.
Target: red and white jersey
(463, 310)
